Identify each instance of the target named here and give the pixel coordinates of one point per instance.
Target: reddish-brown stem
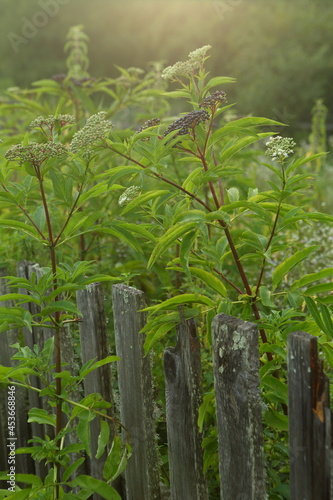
(57, 333)
(70, 213)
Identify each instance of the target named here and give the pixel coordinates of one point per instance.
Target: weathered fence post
(24, 463)
(93, 338)
(182, 368)
(238, 409)
(135, 386)
(310, 421)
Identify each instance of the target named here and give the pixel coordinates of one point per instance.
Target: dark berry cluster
(187, 122)
(149, 123)
(213, 99)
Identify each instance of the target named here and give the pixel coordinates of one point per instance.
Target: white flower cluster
(279, 148)
(186, 68)
(51, 120)
(128, 195)
(36, 153)
(95, 130)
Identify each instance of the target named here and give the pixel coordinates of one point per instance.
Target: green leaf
(142, 199)
(217, 80)
(103, 438)
(72, 468)
(39, 217)
(168, 238)
(282, 269)
(265, 296)
(311, 305)
(310, 278)
(83, 429)
(113, 459)
(207, 403)
(60, 305)
(97, 364)
(41, 417)
(276, 420)
(96, 486)
(29, 479)
(208, 278)
(157, 334)
(278, 387)
(22, 297)
(186, 298)
(21, 226)
(230, 151)
(322, 287)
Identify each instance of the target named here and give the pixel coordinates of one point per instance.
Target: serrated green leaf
(276, 420)
(279, 388)
(209, 279)
(186, 298)
(103, 438)
(265, 296)
(282, 269)
(96, 486)
(168, 238)
(157, 334)
(217, 80)
(29, 479)
(230, 151)
(72, 468)
(41, 417)
(83, 430)
(60, 305)
(310, 278)
(322, 287)
(207, 403)
(142, 199)
(21, 226)
(97, 364)
(113, 459)
(311, 305)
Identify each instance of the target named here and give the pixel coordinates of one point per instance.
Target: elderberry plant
(51, 206)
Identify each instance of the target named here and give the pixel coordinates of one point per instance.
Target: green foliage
(206, 223)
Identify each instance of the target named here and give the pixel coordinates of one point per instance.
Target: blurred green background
(280, 51)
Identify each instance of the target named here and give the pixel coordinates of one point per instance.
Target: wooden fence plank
(182, 368)
(24, 463)
(93, 335)
(238, 409)
(310, 431)
(135, 386)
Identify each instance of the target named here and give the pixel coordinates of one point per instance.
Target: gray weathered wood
(38, 336)
(238, 409)
(182, 368)
(135, 386)
(310, 430)
(24, 463)
(93, 336)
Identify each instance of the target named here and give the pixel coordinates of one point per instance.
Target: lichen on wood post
(238, 408)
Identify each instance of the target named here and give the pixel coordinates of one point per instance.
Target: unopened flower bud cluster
(149, 123)
(212, 100)
(128, 195)
(36, 153)
(51, 120)
(279, 148)
(95, 130)
(187, 122)
(186, 68)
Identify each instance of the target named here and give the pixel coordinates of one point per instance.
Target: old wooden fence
(238, 403)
